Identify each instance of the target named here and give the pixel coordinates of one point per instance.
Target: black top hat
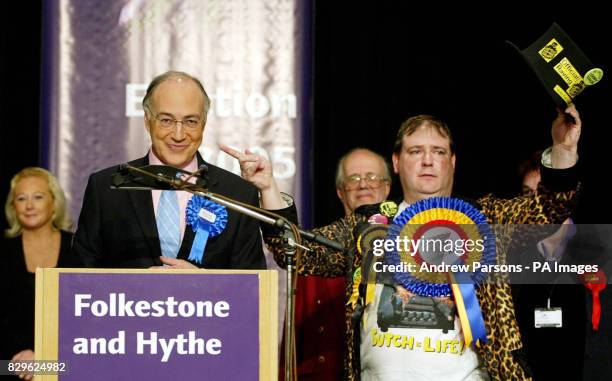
(561, 66)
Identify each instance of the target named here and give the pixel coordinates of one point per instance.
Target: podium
(118, 324)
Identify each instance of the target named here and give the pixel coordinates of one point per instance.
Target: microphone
(160, 177)
(322, 240)
(201, 175)
(147, 177)
(119, 177)
(203, 168)
(280, 224)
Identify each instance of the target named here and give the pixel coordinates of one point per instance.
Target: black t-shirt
(18, 286)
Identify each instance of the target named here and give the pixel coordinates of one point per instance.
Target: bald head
(176, 77)
(362, 177)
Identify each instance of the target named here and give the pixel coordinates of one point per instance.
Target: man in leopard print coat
(424, 158)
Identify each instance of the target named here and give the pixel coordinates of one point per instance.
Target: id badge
(548, 317)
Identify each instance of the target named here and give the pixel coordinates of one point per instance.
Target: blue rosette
(207, 219)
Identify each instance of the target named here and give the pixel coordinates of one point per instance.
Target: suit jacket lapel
(142, 202)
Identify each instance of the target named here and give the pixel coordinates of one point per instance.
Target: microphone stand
(293, 234)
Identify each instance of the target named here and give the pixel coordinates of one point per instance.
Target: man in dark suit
(139, 229)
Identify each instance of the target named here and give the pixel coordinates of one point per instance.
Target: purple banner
(159, 326)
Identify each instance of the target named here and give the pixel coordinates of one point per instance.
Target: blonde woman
(37, 236)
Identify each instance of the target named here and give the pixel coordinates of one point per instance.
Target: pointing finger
(232, 152)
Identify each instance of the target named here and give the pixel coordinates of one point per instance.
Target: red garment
(319, 328)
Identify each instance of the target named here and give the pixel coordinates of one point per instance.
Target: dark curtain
(378, 63)
(20, 63)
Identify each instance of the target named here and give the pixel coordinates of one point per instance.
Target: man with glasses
(363, 177)
(424, 158)
(140, 229)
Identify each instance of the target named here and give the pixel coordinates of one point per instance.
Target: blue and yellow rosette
(459, 219)
(207, 219)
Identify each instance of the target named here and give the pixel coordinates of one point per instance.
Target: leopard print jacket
(546, 205)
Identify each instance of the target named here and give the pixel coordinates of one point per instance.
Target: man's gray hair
(146, 101)
(340, 168)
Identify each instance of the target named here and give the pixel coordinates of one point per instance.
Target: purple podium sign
(159, 326)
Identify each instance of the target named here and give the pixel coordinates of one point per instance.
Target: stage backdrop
(99, 55)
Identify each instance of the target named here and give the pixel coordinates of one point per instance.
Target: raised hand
(253, 167)
(566, 134)
(258, 170)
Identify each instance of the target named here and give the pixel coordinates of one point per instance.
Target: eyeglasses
(170, 123)
(372, 180)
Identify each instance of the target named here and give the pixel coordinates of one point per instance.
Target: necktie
(168, 223)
